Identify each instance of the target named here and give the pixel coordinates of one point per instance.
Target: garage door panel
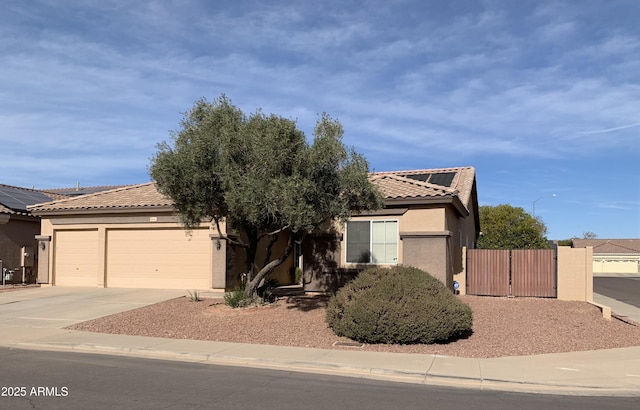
(158, 259)
(76, 258)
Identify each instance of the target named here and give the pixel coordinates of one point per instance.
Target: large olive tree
(508, 227)
(260, 174)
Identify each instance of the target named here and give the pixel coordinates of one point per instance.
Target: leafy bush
(399, 305)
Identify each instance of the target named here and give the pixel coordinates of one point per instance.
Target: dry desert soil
(501, 326)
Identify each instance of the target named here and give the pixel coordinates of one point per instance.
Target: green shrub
(399, 305)
(235, 298)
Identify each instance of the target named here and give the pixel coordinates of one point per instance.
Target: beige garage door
(76, 258)
(158, 258)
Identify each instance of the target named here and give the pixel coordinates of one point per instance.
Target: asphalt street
(33, 379)
(623, 289)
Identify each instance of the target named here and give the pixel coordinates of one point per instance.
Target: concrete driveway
(58, 307)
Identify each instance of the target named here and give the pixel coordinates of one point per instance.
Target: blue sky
(540, 97)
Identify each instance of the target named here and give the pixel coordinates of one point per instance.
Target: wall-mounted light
(42, 246)
(218, 246)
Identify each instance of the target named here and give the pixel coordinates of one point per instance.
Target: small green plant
(235, 297)
(193, 296)
(399, 305)
(297, 275)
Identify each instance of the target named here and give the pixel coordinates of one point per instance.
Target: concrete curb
(606, 310)
(328, 368)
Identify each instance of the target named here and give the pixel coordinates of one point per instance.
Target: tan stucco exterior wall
(463, 231)
(461, 275)
(575, 273)
(428, 252)
(441, 253)
(423, 220)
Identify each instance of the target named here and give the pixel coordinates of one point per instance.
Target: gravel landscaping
(501, 326)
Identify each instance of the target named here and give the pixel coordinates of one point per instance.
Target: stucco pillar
(44, 243)
(428, 251)
(218, 262)
(101, 274)
(575, 273)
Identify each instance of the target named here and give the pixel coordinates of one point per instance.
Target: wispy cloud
(621, 205)
(94, 86)
(608, 130)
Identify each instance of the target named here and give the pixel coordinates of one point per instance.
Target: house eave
(19, 216)
(444, 200)
(103, 211)
(383, 212)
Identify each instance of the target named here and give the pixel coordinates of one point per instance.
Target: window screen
(372, 242)
(358, 242)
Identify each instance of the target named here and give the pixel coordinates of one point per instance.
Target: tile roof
(411, 184)
(609, 245)
(420, 183)
(142, 196)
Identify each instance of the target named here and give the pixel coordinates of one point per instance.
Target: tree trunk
(251, 252)
(251, 287)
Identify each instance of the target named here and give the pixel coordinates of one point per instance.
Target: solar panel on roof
(442, 178)
(437, 178)
(18, 199)
(419, 177)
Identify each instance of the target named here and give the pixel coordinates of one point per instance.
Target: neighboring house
(613, 255)
(18, 229)
(130, 237)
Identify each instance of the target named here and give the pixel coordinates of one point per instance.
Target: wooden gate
(519, 272)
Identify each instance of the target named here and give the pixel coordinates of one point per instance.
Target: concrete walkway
(34, 319)
(622, 310)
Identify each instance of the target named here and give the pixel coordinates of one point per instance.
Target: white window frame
(371, 243)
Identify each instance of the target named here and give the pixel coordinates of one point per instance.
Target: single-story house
(18, 228)
(429, 215)
(130, 237)
(613, 255)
